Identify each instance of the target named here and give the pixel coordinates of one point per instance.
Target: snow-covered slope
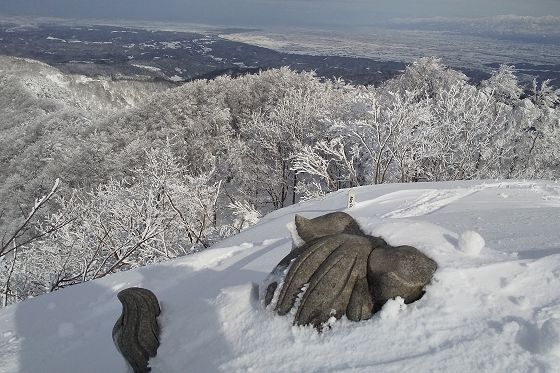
(498, 311)
(39, 81)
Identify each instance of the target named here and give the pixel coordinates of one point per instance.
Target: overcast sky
(275, 12)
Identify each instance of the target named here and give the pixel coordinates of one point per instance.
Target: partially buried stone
(136, 333)
(342, 271)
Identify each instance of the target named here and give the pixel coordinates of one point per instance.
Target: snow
(76, 61)
(171, 44)
(57, 39)
(498, 311)
(296, 239)
(151, 68)
(392, 308)
(176, 78)
(471, 243)
(124, 32)
(57, 78)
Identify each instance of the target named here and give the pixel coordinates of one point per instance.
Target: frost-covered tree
(544, 96)
(162, 212)
(465, 136)
(329, 162)
(22, 237)
(503, 85)
(426, 77)
(385, 140)
(271, 138)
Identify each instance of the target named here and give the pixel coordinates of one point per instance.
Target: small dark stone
(136, 332)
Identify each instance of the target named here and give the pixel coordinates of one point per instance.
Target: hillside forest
(100, 175)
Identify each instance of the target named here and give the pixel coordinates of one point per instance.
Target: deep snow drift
(494, 304)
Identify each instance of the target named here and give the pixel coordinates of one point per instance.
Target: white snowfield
(493, 305)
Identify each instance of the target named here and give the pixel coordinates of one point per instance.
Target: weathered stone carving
(398, 271)
(136, 333)
(342, 271)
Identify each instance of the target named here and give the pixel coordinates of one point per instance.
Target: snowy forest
(102, 175)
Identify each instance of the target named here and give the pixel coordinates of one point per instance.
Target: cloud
(276, 12)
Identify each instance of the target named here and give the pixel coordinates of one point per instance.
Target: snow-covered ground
(384, 44)
(493, 306)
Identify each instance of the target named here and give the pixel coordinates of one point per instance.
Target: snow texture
(498, 311)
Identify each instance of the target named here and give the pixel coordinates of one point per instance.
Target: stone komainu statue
(136, 333)
(342, 271)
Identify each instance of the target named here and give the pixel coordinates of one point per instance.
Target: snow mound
(497, 312)
(471, 243)
(392, 308)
